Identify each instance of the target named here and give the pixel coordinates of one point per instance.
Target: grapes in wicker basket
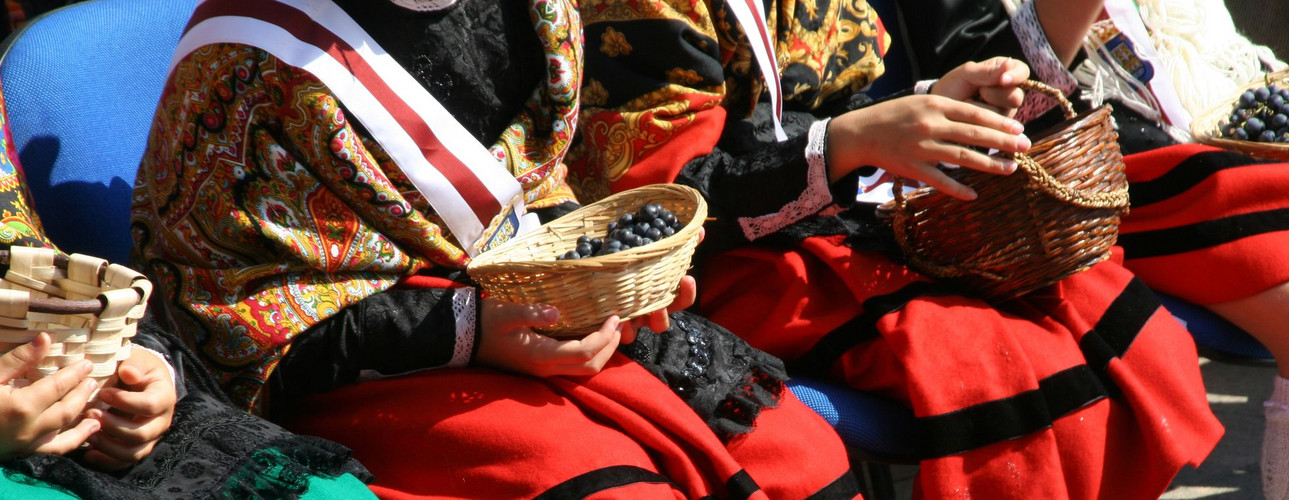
(1260, 114)
(650, 223)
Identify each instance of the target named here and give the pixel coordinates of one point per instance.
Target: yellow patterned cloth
(661, 77)
(19, 224)
(260, 210)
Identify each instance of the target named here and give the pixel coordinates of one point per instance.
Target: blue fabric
(870, 424)
(1213, 331)
(81, 84)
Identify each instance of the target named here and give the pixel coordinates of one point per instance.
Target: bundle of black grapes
(650, 223)
(1261, 115)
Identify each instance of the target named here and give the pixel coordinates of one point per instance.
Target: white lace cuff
(464, 309)
(923, 87)
(816, 196)
(1043, 63)
(424, 5)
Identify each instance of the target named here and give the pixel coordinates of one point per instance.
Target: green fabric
(342, 487)
(17, 485)
(271, 473)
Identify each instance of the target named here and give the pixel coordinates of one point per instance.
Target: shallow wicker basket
(1207, 126)
(89, 308)
(1057, 215)
(588, 291)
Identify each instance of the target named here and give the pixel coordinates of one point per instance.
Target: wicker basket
(1207, 127)
(1057, 215)
(89, 308)
(588, 291)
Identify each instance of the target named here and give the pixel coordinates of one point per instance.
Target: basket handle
(1038, 174)
(1052, 92)
(62, 306)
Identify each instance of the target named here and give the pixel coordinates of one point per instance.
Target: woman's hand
(30, 417)
(509, 342)
(991, 84)
(911, 135)
(142, 407)
(660, 320)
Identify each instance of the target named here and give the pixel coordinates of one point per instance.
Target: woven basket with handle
(1057, 215)
(588, 291)
(90, 309)
(1206, 127)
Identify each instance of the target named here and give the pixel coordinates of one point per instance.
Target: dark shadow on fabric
(80, 217)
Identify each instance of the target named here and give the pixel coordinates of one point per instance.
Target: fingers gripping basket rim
(89, 308)
(588, 291)
(1057, 216)
(1206, 128)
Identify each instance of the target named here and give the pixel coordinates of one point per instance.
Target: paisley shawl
(19, 224)
(260, 210)
(647, 112)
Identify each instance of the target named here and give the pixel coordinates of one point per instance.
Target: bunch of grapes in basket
(1260, 115)
(648, 224)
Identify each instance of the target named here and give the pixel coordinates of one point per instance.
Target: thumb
(23, 358)
(965, 81)
(131, 375)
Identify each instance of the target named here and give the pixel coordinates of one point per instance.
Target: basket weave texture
(588, 291)
(1206, 128)
(1056, 216)
(90, 309)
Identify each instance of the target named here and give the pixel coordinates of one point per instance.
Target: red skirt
(478, 433)
(1083, 389)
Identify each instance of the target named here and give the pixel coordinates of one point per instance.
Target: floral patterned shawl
(662, 76)
(260, 210)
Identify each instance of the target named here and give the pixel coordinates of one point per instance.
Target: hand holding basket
(89, 308)
(629, 284)
(1057, 215)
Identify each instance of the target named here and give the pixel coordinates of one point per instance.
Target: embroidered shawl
(260, 210)
(661, 78)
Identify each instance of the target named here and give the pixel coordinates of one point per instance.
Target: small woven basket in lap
(1206, 127)
(588, 291)
(89, 308)
(1057, 215)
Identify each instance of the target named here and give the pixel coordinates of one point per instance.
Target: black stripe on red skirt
(1186, 175)
(741, 486)
(861, 328)
(603, 479)
(1056, 396)
(845, 486)
(1201, 235)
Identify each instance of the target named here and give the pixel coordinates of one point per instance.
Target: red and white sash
(477, 197)
(751, 16)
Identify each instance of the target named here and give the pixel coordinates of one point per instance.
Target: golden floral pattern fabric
(261, 210)
(19, 224)
(657, 72)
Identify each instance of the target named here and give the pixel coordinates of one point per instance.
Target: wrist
(842, 149)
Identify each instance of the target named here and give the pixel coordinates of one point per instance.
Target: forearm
(390, 333)
(1066, 24)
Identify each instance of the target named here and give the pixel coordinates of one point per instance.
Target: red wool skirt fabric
(1084, 389)
(479, 433)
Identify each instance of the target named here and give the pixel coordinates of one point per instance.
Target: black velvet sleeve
(942, 34)
(749, 174)
(392, 332)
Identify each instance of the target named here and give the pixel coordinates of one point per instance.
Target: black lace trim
(724, 380)
(859, 223)
(212, 450)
